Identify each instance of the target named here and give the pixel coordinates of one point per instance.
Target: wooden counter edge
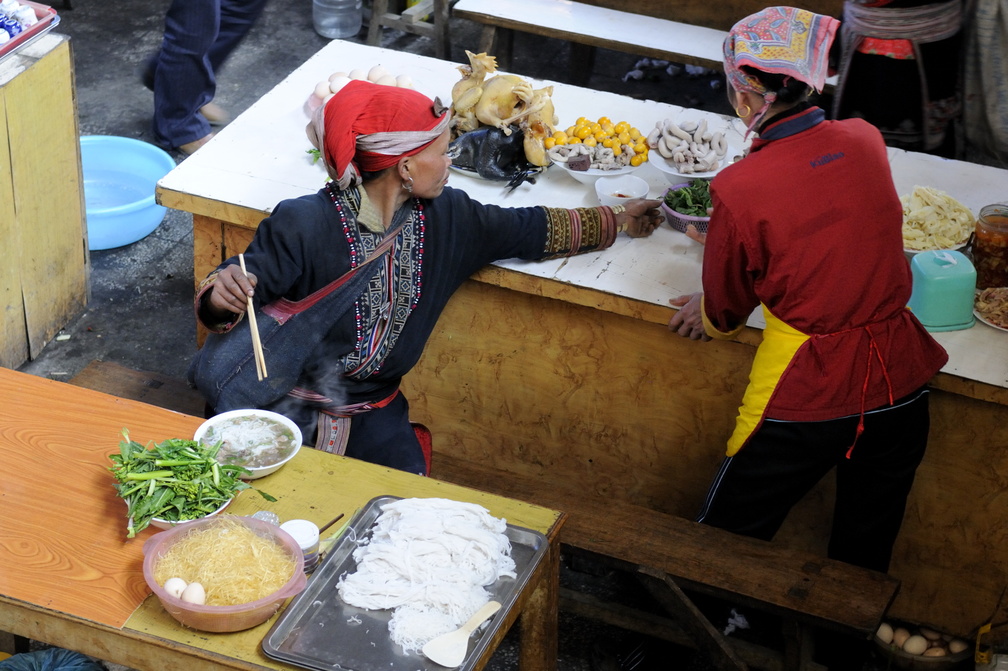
(506, 278)
(130, 648)
(657, 314)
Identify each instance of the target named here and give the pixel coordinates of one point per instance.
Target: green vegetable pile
(693, 200)
(176, 480)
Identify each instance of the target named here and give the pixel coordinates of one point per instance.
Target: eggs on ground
(920, 641)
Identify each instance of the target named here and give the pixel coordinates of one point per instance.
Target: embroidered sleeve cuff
(202, 310)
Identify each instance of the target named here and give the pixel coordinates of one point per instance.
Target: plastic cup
(307, 536)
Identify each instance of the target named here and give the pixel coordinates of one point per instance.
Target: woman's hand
(231, 290)
(640, 217)
(693, 234)
(687, 321)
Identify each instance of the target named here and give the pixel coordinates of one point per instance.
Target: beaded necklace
(380, 313)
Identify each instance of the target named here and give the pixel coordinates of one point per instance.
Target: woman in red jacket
(807, 227)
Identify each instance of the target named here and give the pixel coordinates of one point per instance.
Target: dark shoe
(190, 148)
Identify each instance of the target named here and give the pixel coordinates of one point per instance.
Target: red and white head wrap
(782, 40)
(368, 127)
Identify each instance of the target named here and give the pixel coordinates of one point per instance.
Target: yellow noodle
(233, 563)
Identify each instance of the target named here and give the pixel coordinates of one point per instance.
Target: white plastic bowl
(668, 167)
(620, 188)
(259, 471)
(159, 523)
(120, 174)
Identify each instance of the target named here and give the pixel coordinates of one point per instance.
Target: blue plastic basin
(120, 174)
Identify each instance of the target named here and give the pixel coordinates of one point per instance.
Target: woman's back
(815, 219)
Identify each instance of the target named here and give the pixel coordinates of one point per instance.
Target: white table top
(260, 159)
(607, 24)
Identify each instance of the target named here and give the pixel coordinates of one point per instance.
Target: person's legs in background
(183, 78)
(236, 19)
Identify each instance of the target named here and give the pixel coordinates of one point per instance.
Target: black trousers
(754, 490)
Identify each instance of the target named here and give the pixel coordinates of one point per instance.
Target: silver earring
(408, 185)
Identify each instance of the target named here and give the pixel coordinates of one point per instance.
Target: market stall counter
(71, 578)
(564, 373)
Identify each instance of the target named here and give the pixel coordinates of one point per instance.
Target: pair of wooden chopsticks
(260, 359)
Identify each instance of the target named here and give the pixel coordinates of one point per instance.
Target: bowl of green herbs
(687, 203)
(172, 482)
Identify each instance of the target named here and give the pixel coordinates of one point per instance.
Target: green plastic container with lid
(944, 283)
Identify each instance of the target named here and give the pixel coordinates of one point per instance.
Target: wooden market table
(564, 371)
(71, 578)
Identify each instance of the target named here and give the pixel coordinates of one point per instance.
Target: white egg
(930, 634)
(376, 73)
(194, 593)
(175, 586)
(358, 73)
(915, 645)
(337, 75)
(387, 80)
(935, 652)
(404, 81)
(335, 84)
(322, 89)
(885, 633)
(957, 645)
(900, 635)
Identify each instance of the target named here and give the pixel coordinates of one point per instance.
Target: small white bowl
(233, 416)
(620, 188)
(160, 523)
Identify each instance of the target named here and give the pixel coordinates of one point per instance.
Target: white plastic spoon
(450, 649)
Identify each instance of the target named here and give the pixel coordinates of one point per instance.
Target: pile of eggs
(620, 137)
(919, 640)
(378, 75)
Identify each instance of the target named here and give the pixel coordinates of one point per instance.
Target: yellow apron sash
(780, 344)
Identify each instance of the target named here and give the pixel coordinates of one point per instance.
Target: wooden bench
(681, 31)
(427, 17)
(671, 553)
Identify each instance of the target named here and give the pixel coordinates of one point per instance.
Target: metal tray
(318, 630)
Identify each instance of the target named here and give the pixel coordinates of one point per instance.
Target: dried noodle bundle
(233, 563)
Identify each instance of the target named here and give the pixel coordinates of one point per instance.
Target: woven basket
(678, 220)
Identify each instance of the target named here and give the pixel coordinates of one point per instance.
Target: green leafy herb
(315, 154)
(693, 199)
(176, 480)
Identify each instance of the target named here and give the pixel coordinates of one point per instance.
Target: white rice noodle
(429, 560)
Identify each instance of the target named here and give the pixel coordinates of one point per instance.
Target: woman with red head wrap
(385, 149)
(808, 228)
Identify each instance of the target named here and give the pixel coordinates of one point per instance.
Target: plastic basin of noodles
(223, 618)
(120, 174)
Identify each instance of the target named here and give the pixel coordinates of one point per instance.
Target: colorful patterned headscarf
(368, 127)
(782, 40)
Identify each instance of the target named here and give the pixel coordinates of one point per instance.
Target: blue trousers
(754, 490)
(199, 36)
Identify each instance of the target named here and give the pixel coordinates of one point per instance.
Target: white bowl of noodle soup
(259, 440)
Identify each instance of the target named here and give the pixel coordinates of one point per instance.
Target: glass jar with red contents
(990, 246)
